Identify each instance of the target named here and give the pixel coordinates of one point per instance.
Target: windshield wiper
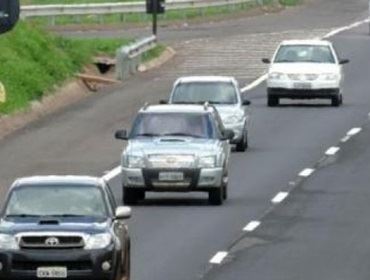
(65, 216)
(182, 134)
(22, 216)
(147, 135)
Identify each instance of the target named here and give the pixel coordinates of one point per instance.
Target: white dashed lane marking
(354, 131)
(280, 197)
(332, 151)
(306, 172)
(219, 257)
(252, 226)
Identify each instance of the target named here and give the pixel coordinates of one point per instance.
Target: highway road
(318, 231)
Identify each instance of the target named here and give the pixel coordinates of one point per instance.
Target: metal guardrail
(118, 8)
(128, 58)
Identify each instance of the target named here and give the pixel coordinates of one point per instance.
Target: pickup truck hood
(175, 145)
(21, 225)
(304, 68)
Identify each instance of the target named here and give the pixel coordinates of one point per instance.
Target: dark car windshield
(58, 200)
(304, 53)
(212, 92)
(173, 124)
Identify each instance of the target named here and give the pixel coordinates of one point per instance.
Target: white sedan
(305, 69)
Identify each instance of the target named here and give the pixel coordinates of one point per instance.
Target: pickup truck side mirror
(9, 14)
(246, 102)
(121, 134)
(266, 60)
(343, 61)
(123, 212)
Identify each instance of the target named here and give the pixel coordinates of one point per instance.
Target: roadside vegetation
(33, 62)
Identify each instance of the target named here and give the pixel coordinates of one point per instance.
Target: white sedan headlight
(233, 119)
(330, 76)
(98, 241)
(207, 162)
(8, 242)
(276, 76)
(134, 161)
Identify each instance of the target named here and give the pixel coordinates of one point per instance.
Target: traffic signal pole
(155, 16)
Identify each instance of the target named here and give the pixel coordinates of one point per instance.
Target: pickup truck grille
(51, 242)
(171, 161)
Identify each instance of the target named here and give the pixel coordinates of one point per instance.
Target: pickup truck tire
(215, 197)
(130, 196)
(243, 144)
(272, 101)
(337, 100)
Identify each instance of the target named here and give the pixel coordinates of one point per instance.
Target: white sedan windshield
(304, 53)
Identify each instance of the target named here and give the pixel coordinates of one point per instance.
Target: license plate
(52, 272)
(302, 85)
(171, 176)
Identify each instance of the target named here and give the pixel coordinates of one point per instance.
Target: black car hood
(80, 225)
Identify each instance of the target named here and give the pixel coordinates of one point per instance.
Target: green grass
(290, 2)
(33, 62)
(153, 53)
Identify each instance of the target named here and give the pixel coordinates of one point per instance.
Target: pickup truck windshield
(214, 93)
(173, 124)
(304, 53)
(64, 201)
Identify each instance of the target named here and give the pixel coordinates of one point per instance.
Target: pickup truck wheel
(336, 100)
(272, 101)
(243, 144)
(130, 196)
(215, 197)
(225, 192)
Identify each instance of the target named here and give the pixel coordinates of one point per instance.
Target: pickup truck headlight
(207, 162)
(233, 119)
(276, 76)
(134, 161)
(8, 242)
(98, 241)
(330, 76)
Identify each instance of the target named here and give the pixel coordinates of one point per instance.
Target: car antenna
(146, 105)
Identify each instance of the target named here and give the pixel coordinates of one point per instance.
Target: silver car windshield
(304, 53)
(173, 124)
(58, 200)
(214, 93)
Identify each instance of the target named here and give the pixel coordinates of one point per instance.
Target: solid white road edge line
(354, 131)
(262, 78)
(306, 172)
(280, 197)
(252, 226)
(255, 83)
(332, 151)
(112, 174)
(219, 257)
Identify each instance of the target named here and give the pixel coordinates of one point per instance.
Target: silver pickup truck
(176, 148)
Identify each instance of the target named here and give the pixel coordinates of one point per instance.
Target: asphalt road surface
(319, 231)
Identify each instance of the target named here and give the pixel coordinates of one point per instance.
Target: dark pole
(155, 11)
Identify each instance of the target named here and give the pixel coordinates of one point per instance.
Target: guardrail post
(122, 63)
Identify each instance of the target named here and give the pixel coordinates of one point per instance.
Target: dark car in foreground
(63, 227)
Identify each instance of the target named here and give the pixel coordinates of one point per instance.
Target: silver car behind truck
(224, 94)
(176, 148)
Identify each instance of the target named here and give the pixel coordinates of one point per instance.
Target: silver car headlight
(330, 76)
(134, 161)
(233, 119)
(207, 161)
(98, 241)
(276, 76)
(8, 242)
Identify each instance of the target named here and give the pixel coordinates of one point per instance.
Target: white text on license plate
(171, 176)
(51, 272)
(302, 86)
